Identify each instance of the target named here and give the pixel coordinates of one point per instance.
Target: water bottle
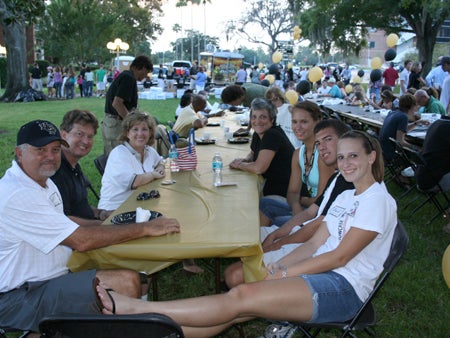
(173, 158)
(217, 166)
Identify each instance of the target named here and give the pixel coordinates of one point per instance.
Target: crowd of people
(62, 82)
(321, 239)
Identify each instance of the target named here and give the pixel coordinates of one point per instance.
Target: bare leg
(234, 274)
(125, 282)
(264, 221)
(286, 299)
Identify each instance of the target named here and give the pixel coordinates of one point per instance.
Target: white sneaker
(279, 331)
(408, 172)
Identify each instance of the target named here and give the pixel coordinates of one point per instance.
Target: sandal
(95, 283)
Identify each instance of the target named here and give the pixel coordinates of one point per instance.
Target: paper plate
(130, 217)
(236, 140)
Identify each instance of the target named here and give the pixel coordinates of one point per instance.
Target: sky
(218, 12)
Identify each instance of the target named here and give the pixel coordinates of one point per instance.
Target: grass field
(414, 302)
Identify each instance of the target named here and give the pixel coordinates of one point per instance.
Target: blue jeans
(279, 212)
(70, 90)
(334, 299)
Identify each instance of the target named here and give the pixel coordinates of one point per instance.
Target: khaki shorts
(111, 131)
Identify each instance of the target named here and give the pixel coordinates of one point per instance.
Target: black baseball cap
(39, 133)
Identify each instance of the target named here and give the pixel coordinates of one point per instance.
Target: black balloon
(375, 75)
(274, 68)
(390, 54)
(303, 87)
(360, 73)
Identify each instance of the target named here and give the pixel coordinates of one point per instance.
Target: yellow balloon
(391, 40)
(348, 88)
(446, 266)
(270, 78)
(315, 74)
(260, 65)
(356, 79)
(289, 65)
(376, 63)
(292, 96)
(277, 56)
(297, 32)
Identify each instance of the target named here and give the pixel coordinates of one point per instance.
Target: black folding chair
(432, 195)
(146, 325)
(100, 163)
(365, 318)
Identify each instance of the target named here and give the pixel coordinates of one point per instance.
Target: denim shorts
(334, 299)
(24, 307)
(279, 212)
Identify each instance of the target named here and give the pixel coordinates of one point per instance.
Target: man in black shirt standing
(36, 77)
(121, 99)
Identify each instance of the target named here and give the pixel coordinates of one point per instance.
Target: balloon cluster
(389, 55)
(297, 33)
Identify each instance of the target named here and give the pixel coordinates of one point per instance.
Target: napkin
(142, 215)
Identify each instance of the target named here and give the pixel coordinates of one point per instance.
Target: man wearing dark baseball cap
(38, 239)
(39, 133)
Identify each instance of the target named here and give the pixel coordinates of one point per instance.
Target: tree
(272, 18)
(14, 16)
(73, 31)
(346, 23)
(197, 39)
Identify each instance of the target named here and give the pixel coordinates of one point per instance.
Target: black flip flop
(100, 305)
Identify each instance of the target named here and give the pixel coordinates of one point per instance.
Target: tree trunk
(17, 73)
(425, 45)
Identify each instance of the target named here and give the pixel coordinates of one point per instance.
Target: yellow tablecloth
(215, 222)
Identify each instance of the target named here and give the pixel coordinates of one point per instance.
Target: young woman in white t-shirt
(325, 279)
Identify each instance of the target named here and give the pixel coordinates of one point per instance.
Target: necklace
(308, 164)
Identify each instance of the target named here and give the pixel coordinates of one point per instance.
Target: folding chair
(150, 325)
(365, 318)
(162, 144)
(416, 160)
(396, 165)
(100, 163)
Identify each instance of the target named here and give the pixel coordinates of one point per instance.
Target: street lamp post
(118, 46)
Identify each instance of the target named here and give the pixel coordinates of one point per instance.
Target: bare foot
(122, 304)
(190, 266)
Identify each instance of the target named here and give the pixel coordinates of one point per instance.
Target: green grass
(414, 302)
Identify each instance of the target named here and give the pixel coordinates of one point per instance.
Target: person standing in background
(390, 76)
(241, 76)
(404, 77)
(100, 78)
(36, 77)
(121, 99)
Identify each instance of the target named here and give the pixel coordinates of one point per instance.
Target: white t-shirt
(271, 257)
(121, 169)
(373, 210)
(32, 226)
(284, 120)
(445, 93)
(404, 76)
(323, 90)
